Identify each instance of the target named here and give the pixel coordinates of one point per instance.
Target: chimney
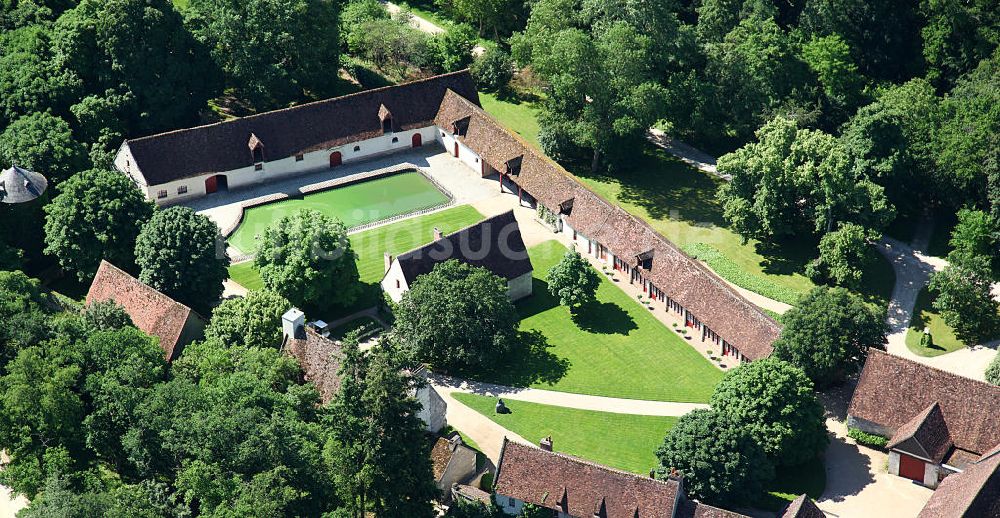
(546, 443)
(388, 262)
(437, 233)
(293, 324)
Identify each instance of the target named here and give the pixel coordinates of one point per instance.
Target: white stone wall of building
(519, 287)
(394, 283)
(894, 463)
(930, 474)
(433, 409)
(509, 505)
(273, 169)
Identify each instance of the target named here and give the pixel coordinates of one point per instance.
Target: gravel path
(566, 399)
(424, 25)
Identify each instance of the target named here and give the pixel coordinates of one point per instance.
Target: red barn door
(911, 468)
(335, 159)
(417, 140)
(211, 184)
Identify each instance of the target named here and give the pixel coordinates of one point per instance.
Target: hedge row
(867, 439)
(729, 270)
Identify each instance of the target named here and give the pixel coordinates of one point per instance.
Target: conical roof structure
(20, 185)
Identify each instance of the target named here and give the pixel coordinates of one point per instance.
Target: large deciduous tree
(139, 47)
(721, 463)
(796, 180)
(977, 234)
(181, 254)
(274, 52)
(962, 295)
(843, 256)
(573, 280)
(957, 36)
(774, 402)
(602, 62)
(30, 79)
(307, 258)
(96, 215)
(44, 143)
(457, 316)
(828, 334)
(251, 321)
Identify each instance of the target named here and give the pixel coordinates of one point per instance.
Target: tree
(792, 181)
(251, 321)
(495, 15)
(274, 52)
(720, 463)
(32, 81)
(993, 371)
(968, 137)
(42, 411)
(843, 256)
(470, 509)
(892, 141)
(453, 48)
(106, 315)
(43, 142)
(829, 57)
(307, 258)
(180, 254)
(139, 48)
(963, 297)
(957, 36)
(828, 334)
(602, 62)
(96, 215)
(975, 234)
(573, 280)
(378, 448)
(457, 316)
(774, 402)
(493, 70)
(23, 321)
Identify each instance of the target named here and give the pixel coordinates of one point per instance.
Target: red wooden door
(911, 468)
(211, 184)
(456, 150)
(335, 159)
(417, 140)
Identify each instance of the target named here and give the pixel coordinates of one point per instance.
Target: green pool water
(355, 204)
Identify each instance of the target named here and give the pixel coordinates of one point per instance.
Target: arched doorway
(456, 149)
(417, 140)
(336, 159)
(216, 183)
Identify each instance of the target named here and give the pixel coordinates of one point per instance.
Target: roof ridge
(590, 463)
(301, 106)
(158, 292)
(459, 231)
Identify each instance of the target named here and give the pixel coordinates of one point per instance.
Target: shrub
(493, 70)
(867, 439)
(993, 371)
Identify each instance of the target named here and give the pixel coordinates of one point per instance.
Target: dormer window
(256, 150)
(386, 117)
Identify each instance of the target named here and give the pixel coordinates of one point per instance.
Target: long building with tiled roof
(178, 165)
(575, 487)
(937, 423)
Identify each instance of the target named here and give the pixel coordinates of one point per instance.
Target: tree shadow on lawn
(603, 318)
(787, 256)
(540, 300)
(527, 363)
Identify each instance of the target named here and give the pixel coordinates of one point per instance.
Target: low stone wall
(868, 426)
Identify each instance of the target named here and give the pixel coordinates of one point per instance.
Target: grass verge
(624, 441)
(943, 339)
(613, 347)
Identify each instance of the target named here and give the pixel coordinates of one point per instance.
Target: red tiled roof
(893, 390)
(692, 509)
(580, 488)
(926, 435)
(710, 299)
(150, 310)
(973, 493)
(802, 507)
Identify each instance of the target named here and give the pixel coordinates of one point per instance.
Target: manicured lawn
(622, 441)
(613, 347)
(367, 325)
(354, 204)
(942, 335)
(519, 116)
(370, 246)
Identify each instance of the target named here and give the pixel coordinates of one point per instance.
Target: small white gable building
(494, 244)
